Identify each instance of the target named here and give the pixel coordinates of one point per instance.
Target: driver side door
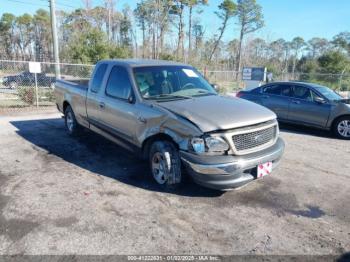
(305, 110)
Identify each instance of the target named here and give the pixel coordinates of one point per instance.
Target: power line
(21, 2)
(66, 5)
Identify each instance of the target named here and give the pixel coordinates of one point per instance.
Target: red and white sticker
(264, 169)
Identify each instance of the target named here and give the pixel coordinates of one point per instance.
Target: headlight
(209, 144)
(216, 144)
(198, 145)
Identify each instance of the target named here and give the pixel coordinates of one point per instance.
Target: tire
(165, 164)
(13, 85)
(341, 128)
(73, 128)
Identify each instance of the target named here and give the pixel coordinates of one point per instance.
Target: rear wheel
(13, 85)
(165, 164)
(341, 127)
(72, 125)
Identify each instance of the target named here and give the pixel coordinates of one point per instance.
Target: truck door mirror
(131, 99)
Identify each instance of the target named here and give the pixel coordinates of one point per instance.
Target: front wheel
(72, 125)
(165, 164)
(341, 128)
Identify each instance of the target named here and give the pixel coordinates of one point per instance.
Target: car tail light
(239, 94)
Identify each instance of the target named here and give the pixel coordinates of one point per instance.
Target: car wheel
(72, 125)
(341, 127)
(165, 164)
(13, 85)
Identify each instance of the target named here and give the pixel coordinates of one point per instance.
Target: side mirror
(320, 100)
(131, 99)
(215, 86)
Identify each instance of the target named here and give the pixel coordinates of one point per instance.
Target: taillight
(239, 94)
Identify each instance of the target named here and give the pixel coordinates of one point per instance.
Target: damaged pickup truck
(169, 114)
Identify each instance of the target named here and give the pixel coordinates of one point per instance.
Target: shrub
(27, 94)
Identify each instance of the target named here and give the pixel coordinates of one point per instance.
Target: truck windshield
(171, 82)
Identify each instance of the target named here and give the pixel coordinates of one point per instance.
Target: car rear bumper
(227, 172)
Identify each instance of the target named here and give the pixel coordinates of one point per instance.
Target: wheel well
(336, 119)
(146, 145)
(65, 105)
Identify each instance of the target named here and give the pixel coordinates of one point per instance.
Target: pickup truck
(168, 113)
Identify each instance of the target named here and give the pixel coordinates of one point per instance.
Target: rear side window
(286, 90)
(273, 90)
(119, 85)
(98, 78)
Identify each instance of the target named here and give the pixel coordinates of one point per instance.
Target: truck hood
(212, 113)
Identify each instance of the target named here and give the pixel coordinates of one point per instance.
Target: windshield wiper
(204, 92)
(169, 96)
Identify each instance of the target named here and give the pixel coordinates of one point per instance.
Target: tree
(42, 35)
(141, 17)
(7, 40)
(125, 29)
(297, 45)
(226, 11)
(191, 5)
(178, 11)
(333, 63)
(342, 41)
(24, 24)
(250, 19)
(317, 46)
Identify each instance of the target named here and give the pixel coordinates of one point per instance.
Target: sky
(283, 18)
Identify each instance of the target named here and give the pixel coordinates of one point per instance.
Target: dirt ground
(60, 195)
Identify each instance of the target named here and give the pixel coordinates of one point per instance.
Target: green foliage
(88, 47)
(27, 94)
(166, 56)
(250, 16)
(119, 51)
(333, 62)
(227, 9)
(342, 40)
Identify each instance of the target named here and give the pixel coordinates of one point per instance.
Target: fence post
(36, 91)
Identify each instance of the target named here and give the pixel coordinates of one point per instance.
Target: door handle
(102, 105)
(265, 96)
(296, 102)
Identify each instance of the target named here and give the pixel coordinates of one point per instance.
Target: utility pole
(54, 38)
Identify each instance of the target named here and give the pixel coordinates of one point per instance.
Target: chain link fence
(18, 89)
(18, 85)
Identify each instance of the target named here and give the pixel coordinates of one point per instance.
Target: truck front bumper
(228, 172)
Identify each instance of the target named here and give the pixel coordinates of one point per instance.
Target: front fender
(161, 121)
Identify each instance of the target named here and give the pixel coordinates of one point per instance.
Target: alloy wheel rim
(344, 128)
(70, 121)
(159, 168)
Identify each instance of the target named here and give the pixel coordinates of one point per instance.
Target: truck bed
(75, 91)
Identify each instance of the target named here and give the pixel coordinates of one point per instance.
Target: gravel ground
(60, 195)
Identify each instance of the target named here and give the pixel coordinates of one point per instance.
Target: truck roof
(142, 62)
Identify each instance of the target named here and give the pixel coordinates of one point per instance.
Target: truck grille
(251, 140)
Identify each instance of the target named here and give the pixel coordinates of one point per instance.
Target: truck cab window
(119, 85)
(98, 78)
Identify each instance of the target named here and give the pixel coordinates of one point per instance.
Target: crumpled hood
(212, 113)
